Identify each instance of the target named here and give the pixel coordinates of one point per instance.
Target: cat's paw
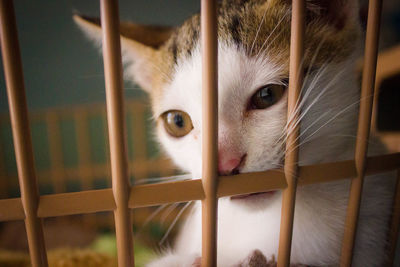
(174, 260)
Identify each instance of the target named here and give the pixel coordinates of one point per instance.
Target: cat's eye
(177, 123)
(266, 96)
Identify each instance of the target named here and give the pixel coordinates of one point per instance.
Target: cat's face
(252, 113)
(253, 59)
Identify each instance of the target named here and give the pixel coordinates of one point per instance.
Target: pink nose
(228, 165)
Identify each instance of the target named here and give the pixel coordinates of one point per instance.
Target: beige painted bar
(209, 46)
(291, 156)
(364, 124)
(156, 194)
(21, 132)
(116, 130)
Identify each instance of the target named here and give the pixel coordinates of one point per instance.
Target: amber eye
(177, 123)
(267, 96)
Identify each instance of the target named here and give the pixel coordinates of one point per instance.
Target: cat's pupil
(267, 95)
(178, 120)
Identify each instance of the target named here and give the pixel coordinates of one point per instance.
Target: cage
(122, 197)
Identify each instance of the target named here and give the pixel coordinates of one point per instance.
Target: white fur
(327, 134)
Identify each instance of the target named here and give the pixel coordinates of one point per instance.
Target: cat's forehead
(239, 76)
(244, 23)
(261, 28)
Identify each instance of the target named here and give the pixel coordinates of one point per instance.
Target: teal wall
(61, 67)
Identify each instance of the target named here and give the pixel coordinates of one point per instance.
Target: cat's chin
(255, 200)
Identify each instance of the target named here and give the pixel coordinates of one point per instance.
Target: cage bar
(209, 43)
(364, 124)
(116, 130)
(291, 156)
(122, 197)
(21, 132)
(156, 194)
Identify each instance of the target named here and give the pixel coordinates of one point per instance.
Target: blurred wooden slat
(83, 148)
(56, 152)
(138, 124)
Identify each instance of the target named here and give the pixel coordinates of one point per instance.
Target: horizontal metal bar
(182, 191)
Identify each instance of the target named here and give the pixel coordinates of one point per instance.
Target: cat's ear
(139, 44)
(337, 13)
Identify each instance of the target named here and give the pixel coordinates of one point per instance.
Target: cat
(253, 59)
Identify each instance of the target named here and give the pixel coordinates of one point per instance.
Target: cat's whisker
(309, 88)
(154, 214)
(334, 117)
(331, 83)
(173, 223)
(311, 65)
(313, 123)
(308, 138)
(258, 31)
(181, 177)
(271, 33)
(167, 212)
(306, 94)
(317, 98)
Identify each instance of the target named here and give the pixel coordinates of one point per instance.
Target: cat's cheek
(185, 151)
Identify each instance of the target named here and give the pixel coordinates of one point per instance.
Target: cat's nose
(229, 165)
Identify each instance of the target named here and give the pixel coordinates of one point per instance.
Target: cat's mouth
(254, 196)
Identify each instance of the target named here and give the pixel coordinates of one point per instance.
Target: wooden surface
(102, 200)
(12, 63)
(292, 154)
(116, 130)
(209, 46)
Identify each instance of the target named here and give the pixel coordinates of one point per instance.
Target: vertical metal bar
(395, 223)
(116, 130)
(209, 42)
(21, 132)
(364, 124)
(291, 157)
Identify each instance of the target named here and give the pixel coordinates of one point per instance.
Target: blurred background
(66, 98)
